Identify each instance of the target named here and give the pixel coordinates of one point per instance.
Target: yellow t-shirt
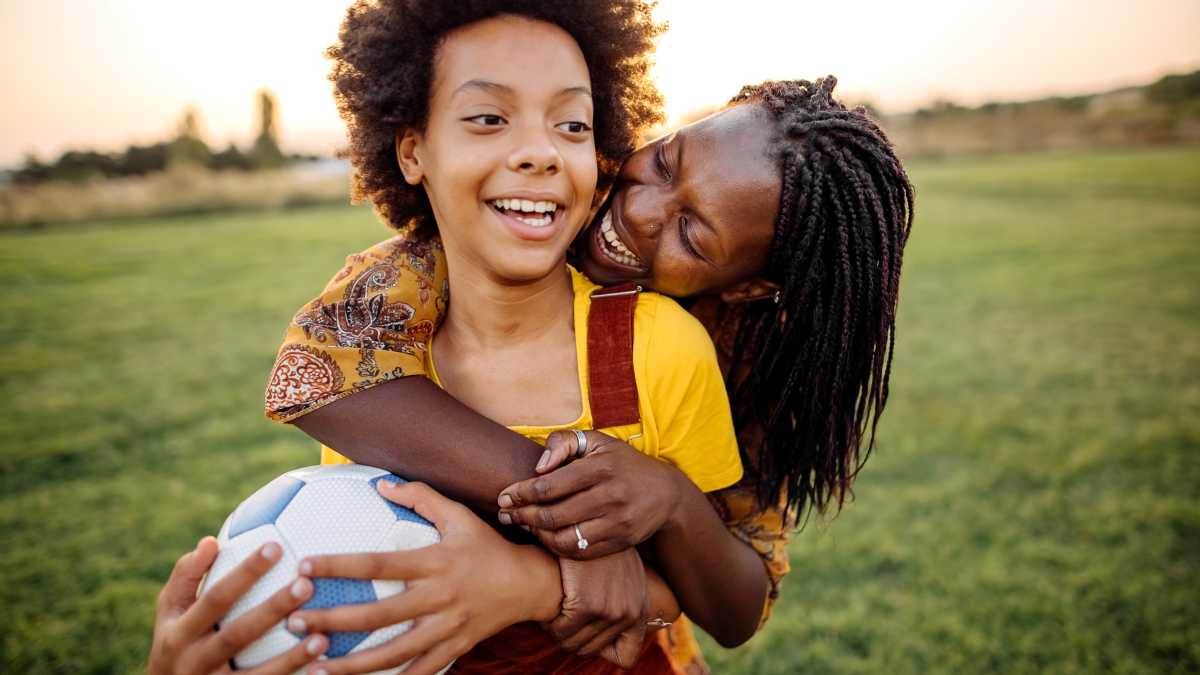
(682, 400)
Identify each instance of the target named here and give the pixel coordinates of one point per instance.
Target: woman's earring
(778, 295)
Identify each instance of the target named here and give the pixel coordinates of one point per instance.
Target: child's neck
(488, 314)
(508, 350)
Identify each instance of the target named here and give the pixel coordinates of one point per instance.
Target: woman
(833, 176)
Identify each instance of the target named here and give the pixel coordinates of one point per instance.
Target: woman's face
(692, 213)
(507, 156)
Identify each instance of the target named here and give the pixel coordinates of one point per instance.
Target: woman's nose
(534, 152)
(645, 209)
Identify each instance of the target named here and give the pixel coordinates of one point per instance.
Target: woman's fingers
(577, 508)
(625, 651)
(179, 593)
(564, 542)
(293, 659)
(602, 639)
(216, 601)
(234, 636)
(561, 447)
(416, 601)
(423, 637)
(390, 565)
(573, 641)
(563, 482)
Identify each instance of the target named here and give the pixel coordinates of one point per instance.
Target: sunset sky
(104, 73)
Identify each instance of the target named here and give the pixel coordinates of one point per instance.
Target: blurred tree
(1175, 88)
(187, 148)
(266, 154)
(231, 158)
(140, 160)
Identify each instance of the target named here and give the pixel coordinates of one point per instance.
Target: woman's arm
(414, 429)
(721, 583)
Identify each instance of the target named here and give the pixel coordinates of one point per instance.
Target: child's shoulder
(671, 326)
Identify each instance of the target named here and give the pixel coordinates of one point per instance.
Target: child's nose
(535, 152)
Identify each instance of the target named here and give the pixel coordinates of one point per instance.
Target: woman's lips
(612, 247)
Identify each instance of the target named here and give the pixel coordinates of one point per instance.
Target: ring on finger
(581, 541)
(580, 444)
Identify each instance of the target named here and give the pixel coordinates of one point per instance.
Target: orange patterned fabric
(371, 324)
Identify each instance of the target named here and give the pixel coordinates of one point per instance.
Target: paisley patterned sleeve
(764, 531)
(370, 325)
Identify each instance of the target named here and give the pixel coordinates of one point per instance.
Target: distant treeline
(1165, 112)
(186, 148)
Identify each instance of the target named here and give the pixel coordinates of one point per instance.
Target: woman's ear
(749, 291)
(408, 155)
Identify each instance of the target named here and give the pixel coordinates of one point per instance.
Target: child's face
(510, 119)
(693, 212)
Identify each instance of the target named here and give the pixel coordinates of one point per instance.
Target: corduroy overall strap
(612, 388)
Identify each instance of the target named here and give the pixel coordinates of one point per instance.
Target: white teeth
(525, 206)
(616, 249)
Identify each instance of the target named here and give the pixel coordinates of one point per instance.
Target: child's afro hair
(383, 68)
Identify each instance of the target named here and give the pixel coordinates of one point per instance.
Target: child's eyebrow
(505, 90)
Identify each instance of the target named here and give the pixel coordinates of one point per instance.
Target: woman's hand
(467, 587)
(616, 496)
(184, 639)
(604, 608)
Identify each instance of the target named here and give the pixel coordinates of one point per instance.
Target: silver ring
(658, 623)
(581, 444)
(581, 541)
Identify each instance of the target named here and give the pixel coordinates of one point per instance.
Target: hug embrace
(620, 375)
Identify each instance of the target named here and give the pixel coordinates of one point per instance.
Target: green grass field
(1033, 505)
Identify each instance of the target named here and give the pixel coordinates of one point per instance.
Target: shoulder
(670, 331)
(423, 258)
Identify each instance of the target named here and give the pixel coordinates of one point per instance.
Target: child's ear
(749, 291)
(408, 154)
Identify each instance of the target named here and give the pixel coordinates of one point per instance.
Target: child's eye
(575, 127)
(486, 120)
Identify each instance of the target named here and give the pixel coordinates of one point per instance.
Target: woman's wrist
(685, 495)
(536, 584)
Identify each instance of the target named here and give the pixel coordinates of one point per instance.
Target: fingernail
(320, 671)
(297, 625)
(305, 567)
(300, 588)
(270, 551)
(505, 518)
(505, 501)
(544, 459)
(385, 485)
(315, 646)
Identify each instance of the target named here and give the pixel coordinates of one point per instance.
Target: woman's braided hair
(383, 71)
(820, 357)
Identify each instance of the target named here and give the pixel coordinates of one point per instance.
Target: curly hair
(383, 69)
(820, 357)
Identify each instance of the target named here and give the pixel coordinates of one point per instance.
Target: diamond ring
(582, 541)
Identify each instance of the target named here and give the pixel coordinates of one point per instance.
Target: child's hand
(184, 639)
(604, 607)
(466, 588)
(614, 497)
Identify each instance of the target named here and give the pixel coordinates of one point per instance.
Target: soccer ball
(318, 510)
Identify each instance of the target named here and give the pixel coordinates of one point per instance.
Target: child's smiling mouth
(529, 217)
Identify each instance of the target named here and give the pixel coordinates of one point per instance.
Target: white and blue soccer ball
(318, 510)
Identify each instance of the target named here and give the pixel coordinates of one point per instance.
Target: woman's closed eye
(660, 160)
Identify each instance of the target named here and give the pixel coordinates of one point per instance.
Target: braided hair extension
(819, 359)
